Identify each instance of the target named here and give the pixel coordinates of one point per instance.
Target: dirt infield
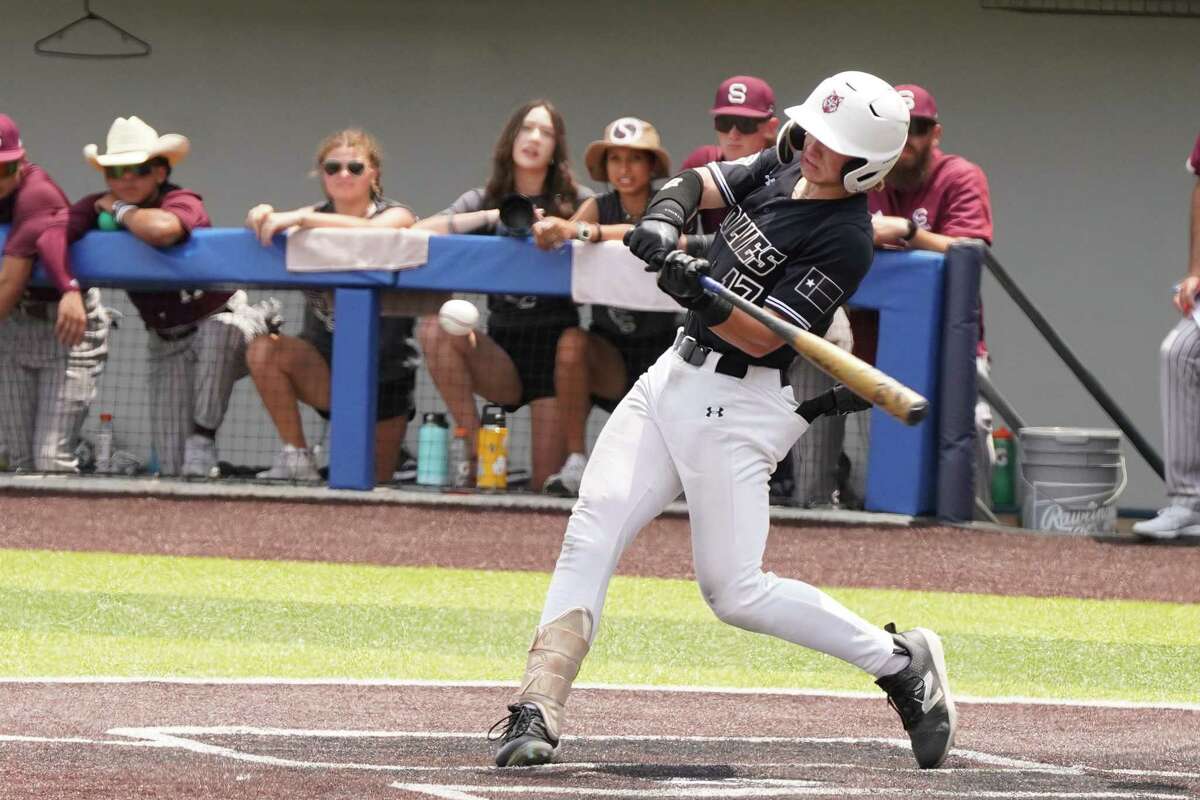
(365, 740)
(949, 558)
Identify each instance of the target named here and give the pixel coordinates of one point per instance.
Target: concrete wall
(1082, 124)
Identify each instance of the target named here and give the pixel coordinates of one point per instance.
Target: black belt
(173, 335)
(731, 364)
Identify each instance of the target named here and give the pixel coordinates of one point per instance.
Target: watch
(583, 232)
(912, 231)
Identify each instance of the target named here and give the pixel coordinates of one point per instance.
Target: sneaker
(292, 464)
(200, 457)
(406, 469)
(920, 694)
(524, 740)
(565, 482)
(1170, 522)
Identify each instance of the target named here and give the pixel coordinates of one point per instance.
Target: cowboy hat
(131, 141)
(627, 132)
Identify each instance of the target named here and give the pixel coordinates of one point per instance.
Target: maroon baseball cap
(920, 102)
(10, 140)
(744, 96)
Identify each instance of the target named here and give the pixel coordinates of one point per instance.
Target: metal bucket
(1070, 479)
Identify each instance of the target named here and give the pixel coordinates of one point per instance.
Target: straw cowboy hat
(627, 132)
(131, 142)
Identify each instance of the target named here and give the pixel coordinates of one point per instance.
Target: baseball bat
(869, 383)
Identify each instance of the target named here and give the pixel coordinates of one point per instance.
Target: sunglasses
(355, 168)
(9, 168)
(920, 126)
(141, 170)
(745, 125)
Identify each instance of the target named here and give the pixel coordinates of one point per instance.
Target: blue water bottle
(433, 462)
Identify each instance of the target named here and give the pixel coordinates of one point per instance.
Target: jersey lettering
(737, 93)
(749, 245)
(743, 285)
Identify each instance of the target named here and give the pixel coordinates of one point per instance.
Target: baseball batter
(714, 414)
(197, 343)
(53, 341)
(1179, 366)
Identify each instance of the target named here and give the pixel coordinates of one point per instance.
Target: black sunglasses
(724, 123)
(9, 168)
(355, 168)
(920, 126)
(141, 170)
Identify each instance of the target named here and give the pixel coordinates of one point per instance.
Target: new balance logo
(927, 702)
(720, 411)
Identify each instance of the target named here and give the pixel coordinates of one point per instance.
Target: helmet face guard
(855, 114)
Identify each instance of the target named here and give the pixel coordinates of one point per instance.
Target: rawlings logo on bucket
(831, 103)
(1054, 517)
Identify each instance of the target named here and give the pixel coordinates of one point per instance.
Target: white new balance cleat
(1171, 522)
(292, 464)
(565, 482)
(200, 457)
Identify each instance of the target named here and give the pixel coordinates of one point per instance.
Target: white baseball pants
(46, 388)
(192, 378)
(717, 438)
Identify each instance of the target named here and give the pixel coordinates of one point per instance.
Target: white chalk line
(603, 687)
(454, 792)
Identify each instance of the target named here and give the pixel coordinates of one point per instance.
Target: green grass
(66, 614)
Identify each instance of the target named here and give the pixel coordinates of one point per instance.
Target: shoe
(292, 464)
(1170, 523)
(200, 457)
(406, 472)
(920, 694)
(565, 482)
(524, 741)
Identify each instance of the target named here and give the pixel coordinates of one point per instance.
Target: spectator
(513, 363)
(53, 341)
(930, 200)
(600, 365)
(1179, 369)
(744, 115)
(197, 346)
(291, 369)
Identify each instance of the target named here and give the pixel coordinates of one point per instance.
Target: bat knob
(917, 412)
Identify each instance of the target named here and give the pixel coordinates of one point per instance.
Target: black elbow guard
(678, 199)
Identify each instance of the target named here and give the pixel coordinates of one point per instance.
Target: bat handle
(710, 284)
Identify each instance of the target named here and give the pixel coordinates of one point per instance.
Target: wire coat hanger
(142, 47)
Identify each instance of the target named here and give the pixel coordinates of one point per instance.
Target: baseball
(458, 317)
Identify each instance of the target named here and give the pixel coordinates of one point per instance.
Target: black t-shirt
(397, 352)
(529, 310)
(624, 323)
(798, 258)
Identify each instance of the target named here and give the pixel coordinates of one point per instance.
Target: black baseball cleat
(920, 694)
(524, 741)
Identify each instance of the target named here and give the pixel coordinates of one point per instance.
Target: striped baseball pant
(1179, 376)
(47, 388)
(192, 378)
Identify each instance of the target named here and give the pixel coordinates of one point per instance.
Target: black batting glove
(680, 278)
(651, 240)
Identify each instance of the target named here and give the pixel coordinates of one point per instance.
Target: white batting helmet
(855, 114)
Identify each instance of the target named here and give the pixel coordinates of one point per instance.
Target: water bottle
(460, 460)
(432, 466)
(104, 444)
(1003, 475)
(492, 469)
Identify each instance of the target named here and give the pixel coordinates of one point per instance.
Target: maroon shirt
(1193, 162)
(710, 218)
(169, 309)
(37, 211)
(953, 200)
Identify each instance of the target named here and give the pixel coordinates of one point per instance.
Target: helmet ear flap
(789, 141)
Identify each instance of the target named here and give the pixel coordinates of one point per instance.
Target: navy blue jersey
(800, 259)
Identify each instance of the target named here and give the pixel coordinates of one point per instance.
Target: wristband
(712, 310)
(121, 210)
(912, 231)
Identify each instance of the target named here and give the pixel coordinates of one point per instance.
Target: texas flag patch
(819, 289)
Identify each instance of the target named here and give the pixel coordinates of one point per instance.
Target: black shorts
(533, 350)
(393, 396)
(638, 354)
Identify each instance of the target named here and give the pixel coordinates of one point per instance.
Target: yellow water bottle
(492, 470)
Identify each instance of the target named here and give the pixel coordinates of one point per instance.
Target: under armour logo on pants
(720, 412)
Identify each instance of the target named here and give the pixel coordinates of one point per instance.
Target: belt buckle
(692, 351)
